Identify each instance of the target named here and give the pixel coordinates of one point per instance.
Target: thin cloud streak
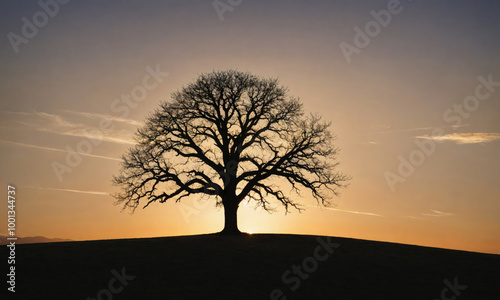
(442, 213)
(56, 150)
(465, 138)
(423, 128)
(348, 211)
(104, 116)
(68, 190)
(56, 124)
(437, 213)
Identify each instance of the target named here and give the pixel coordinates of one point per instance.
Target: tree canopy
(231, 135)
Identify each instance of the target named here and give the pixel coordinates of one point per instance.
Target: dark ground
(248, 267)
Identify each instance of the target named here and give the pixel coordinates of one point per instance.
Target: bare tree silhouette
(228, 135)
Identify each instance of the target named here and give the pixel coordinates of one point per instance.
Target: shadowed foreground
(248, 267)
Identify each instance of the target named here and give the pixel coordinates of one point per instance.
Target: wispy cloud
(347, 211)
(434, 213)
(437, 213)
(68, 190)
(423, 128)
(413, 217)
(56, 149)
(465, 138)
(104, 116)
(56, 124)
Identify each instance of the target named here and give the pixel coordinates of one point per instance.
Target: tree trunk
(230, 218)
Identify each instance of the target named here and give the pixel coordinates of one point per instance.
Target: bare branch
(227, 135)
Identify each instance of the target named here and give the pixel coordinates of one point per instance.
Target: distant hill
(31, 240)
(259, 266)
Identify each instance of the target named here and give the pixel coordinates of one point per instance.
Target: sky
(412, 89)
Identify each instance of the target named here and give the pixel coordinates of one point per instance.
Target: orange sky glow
(416, 113)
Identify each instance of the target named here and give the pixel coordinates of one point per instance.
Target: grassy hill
(31, 240)
(249, 267)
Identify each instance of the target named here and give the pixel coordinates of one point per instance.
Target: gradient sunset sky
(425, 72)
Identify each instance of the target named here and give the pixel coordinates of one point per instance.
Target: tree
(228, 135)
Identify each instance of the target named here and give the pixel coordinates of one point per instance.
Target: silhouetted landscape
(250, 149)
(32, 239)
(214, 266)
